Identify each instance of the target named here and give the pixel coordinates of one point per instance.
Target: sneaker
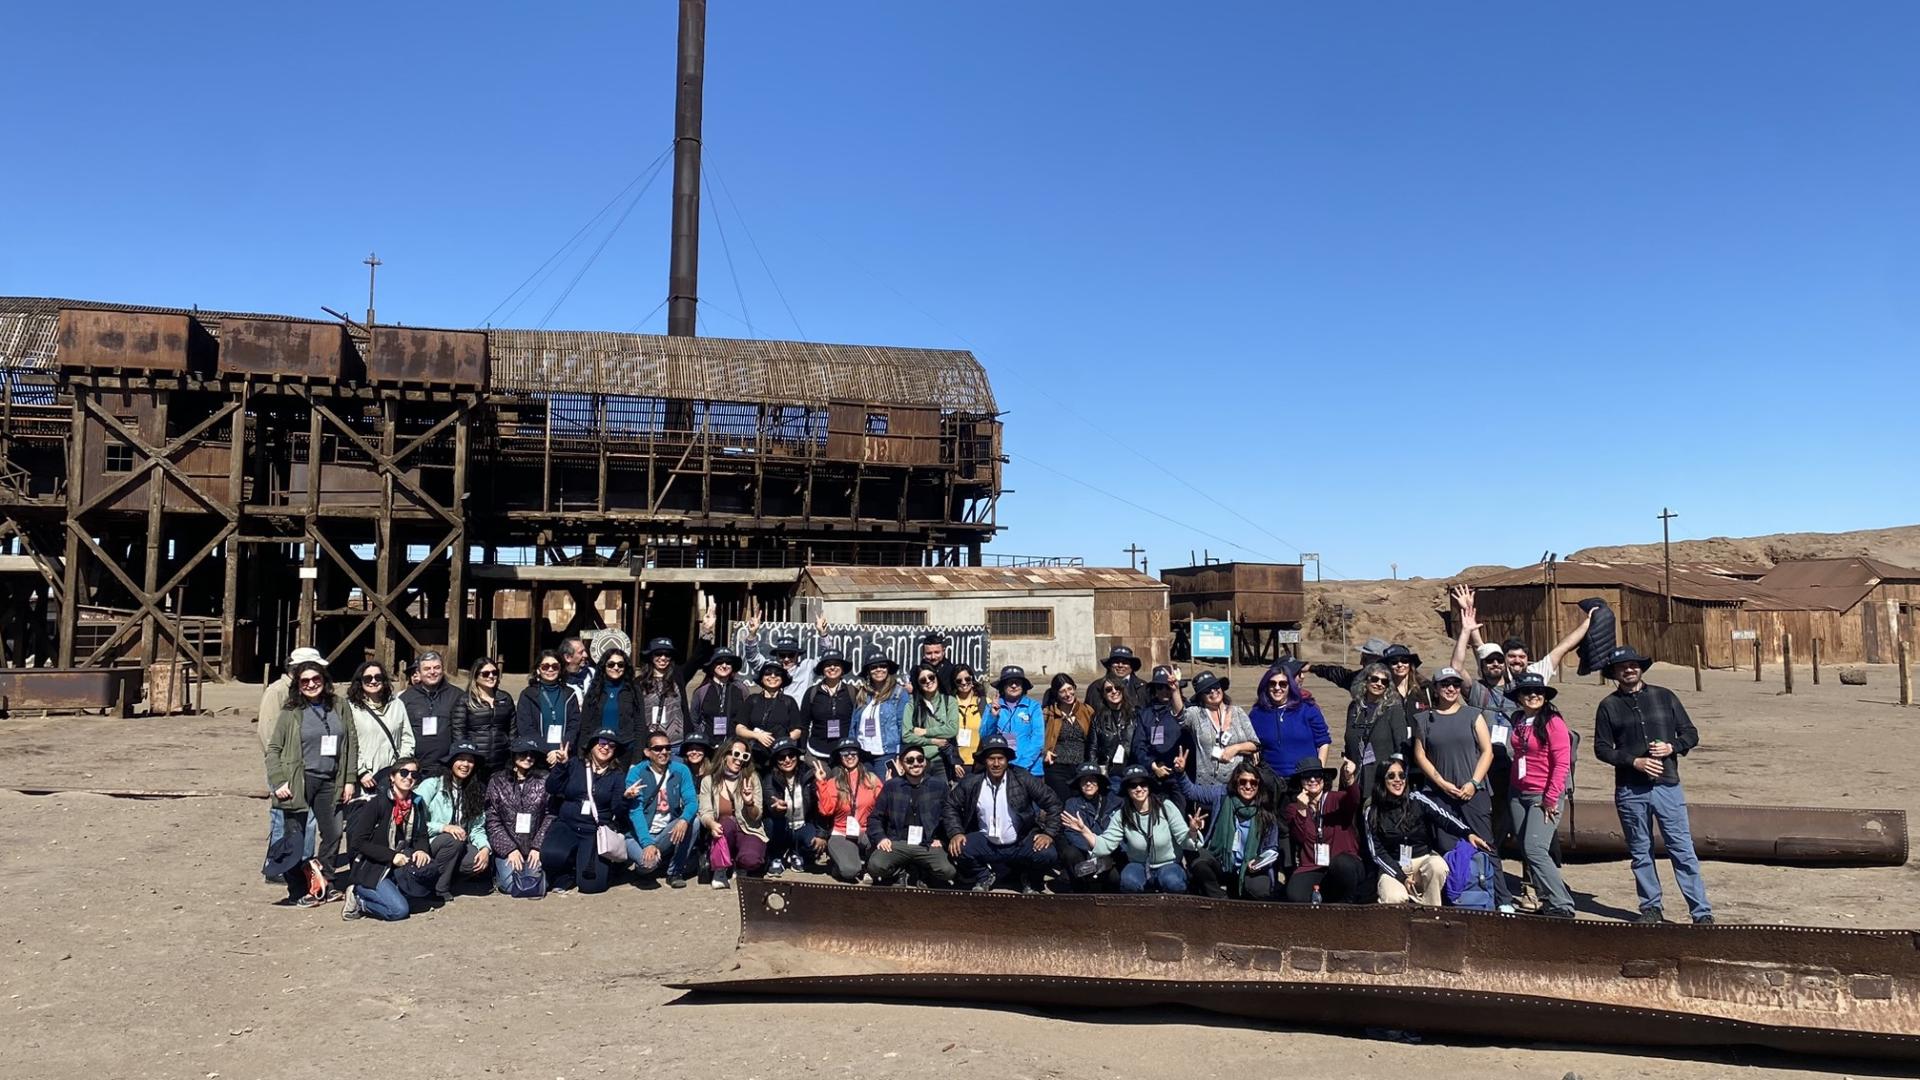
(1507, 909)
(720, 883)
(776, 868)
(794, 862)
(1704, 920)
(985, 884)
(1651, 916)
(351, 909)
(308, 900)
(864, 879)
(1555, 913)
(676, 883)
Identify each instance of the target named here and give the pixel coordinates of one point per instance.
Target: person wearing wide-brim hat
(881, 701)
(1348, 678)
(1220, 730)
(795, 837)
(1095, 805)
(827, 708)
(590, 791)
(1016, 715)
(517, 815)
(1324, 827)
(719, 706)
(1644, 731)
(1539, 763)
(1160, 734)
(1403, 668)
(1123, 669)
(771, 714)
(456, 805)
(1002, 822)
(1153, 832)
(847, 796)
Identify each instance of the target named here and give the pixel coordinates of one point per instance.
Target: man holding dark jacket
(1643, 731)
(905, 827)
(1002, 822)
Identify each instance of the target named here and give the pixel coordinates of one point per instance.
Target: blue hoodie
(1291, 732)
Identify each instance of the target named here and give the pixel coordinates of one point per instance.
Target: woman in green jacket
(1151, 831)
(933, 718)
(310, 761)
(456, 807)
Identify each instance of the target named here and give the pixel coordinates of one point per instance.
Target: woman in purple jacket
(517, 819)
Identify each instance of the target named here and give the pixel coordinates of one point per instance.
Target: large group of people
(776, 762)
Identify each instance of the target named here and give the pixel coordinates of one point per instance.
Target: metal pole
(683, 283)
(373, 264)
(1816, 661)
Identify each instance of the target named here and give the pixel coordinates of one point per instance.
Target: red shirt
(1336, 826)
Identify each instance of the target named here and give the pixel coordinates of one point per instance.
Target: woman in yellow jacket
(969, 705)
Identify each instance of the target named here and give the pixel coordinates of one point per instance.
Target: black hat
(659, 646)
(1625, 654)
(833, 656)
(1162, 676)
(1310, 766)
(1120, 654)
(523, 746)
(1400, 652)
(1011, 673)
(612, 735)
(1533, 681)
(783, 746)
(1089, 771)
(993, 744)
(774, 667)
(852, 744)
(1206, 681)
(696, 738)
(786, 646)
(463, 747)
(1135, 773)
(284, 854)
(724, 655)
(880, 661)
(933, 637)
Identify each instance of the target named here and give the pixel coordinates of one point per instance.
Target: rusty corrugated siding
(1687, 584)
(1827, 584)
(959, 580)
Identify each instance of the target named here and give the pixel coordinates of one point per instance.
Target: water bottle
(1316, 895)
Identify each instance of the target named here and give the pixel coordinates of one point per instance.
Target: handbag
(527, 884)
(606, 841)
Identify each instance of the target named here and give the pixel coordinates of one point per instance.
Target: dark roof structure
(1828, 584)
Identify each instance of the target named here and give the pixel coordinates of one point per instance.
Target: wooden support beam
(156, 527)
(310, 562)
(457, 573)
(236, 491)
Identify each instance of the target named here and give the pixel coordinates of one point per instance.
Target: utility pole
(1666, 554)
(683, 277)
(373, 264)
(1315, 556)
(1133, 553)
(1395, 567)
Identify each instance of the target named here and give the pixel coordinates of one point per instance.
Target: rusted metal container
(288, 349)
(1801, 989)
(1253, 592)
(137, 340)
(400, 354)
(1776, 835)
(110, 689)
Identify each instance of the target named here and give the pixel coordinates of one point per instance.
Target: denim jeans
(1171, 878)
(503, 874)
(981, 856)
(678, 858)
(783, 839)
(401, 893)
(1640, 805)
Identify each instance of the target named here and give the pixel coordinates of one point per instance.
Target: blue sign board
(1212, 638)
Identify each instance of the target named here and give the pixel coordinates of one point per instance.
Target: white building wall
(1071, 648)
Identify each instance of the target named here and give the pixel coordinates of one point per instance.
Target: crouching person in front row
(517, 822)
(456, 806)
(905, 825)
(590, 792)
(1002, 822)
(1151, 832)
(393, 871)
(665, 814)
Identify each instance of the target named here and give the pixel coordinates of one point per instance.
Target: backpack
(1469, 878)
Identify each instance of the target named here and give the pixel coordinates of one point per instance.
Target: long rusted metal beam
(1802, 989)
(1779, 835)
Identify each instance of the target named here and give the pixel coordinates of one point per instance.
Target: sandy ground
(141, 941)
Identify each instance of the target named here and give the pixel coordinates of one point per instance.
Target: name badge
(1406, 856)
(1119, 752)
(586, 809)
(658, 712)
(915, 834)
(1520, 768)
(1500, 734)
(329, 746)
(429, 725)
(965, 737)
(1159, 733)
(852, 827)
(553, 734)
(522, 823)
(719, 726)
(1321, 856)
(833, 729)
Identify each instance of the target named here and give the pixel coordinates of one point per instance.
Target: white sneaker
(720, 883)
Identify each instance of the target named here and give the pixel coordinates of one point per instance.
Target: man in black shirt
(1643, 731)
(430, 710)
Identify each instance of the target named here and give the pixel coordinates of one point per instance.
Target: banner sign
(901, 644)
(1212, 638)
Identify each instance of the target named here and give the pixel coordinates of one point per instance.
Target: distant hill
(1899, 545)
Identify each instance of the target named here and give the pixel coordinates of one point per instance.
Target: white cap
(1489, 649)
(305, 655)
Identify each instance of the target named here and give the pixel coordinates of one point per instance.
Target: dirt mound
(1899, 545)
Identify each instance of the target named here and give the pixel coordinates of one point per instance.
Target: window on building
(876, 423)
(119, 458)
(1019, 623)
(892, 616)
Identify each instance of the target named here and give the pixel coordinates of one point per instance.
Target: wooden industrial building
(1262, 600)
(1859, 609)
(220, 487)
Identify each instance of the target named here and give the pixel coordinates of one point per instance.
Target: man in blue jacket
(666, 807)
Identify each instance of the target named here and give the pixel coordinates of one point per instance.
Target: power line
(571, 241)
(1143, 509)
(635, 328)
(591, 259)
(755, 244)
(705, 303)
(721, 228)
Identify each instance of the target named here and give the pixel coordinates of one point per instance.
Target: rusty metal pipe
(1778, 835)
(1801, 989)
(683, 279)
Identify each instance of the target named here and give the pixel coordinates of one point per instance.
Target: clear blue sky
(1416, 283)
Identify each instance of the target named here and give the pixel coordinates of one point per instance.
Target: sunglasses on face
(549, 666)
(489, 673)
(661, 749)
(1399, 663)
(1314, 780)
(1532, 693)
(929, 679)
(1113, 691)
(616, 665)
(1376, 680)
(406, 773)
(1448, 685)
(915, 760)
(311, 680)
(1135, 785)
(962, 680)
(605, 742)
(1277, 684)
(789, 756)
(1392, 776)
(373, 678)
(1247, 781)
(738, 756)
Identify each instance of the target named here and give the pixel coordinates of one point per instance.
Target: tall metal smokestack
(683, 284)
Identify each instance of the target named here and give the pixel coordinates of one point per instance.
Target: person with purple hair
(1287, 721)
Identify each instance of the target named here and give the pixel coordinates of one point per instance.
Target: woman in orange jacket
(847, 795)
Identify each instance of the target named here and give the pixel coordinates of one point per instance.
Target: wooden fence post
(1756, 659)
(1816, 661)
(1696, 669)
(1786, 659)
(1906, 677)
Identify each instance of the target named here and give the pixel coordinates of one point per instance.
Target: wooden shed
(1260, 599)
(1859, 609)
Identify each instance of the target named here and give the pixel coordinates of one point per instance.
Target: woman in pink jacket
(1540, 752)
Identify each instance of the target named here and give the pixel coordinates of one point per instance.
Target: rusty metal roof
(1828, 584)
(867, 581)
(637, 365)
(1687, 584)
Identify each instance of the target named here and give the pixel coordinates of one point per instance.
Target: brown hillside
(1899, 545)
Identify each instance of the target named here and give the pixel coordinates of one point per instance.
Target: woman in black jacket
(392, 873)
(719, 706)
(1378, 725)
(1112, 724)
(769, 714)
(484, 716)
(796, 836)
(591, 791)
(827, 708)
(1405, 834)
(612, 701)
(548, 713)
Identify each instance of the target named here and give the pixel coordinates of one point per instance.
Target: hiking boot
(1651, 916)
(676, 882)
